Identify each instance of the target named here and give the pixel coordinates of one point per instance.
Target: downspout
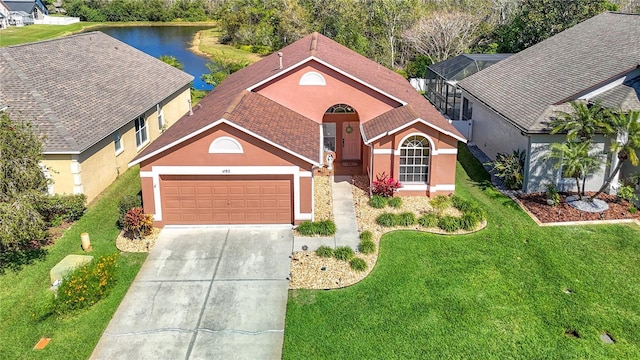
(525, 180)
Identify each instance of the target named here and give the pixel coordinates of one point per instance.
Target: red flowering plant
(384, 185)
(137, 223)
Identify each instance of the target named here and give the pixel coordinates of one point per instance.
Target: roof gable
(235, 100)
(106, 84)
(559, 69)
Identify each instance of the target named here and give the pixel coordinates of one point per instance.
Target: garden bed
(536, 204)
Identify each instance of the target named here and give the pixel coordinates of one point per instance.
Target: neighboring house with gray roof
(514, 100)
(98, 101)
(36, 8)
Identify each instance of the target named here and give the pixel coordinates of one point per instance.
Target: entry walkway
(344, 215)
(205, 293)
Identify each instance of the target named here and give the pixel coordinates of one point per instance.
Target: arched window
(225, 145)
(340, 109)
(414, 160)
(312, 78)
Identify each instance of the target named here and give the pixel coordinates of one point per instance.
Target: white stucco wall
(541, 170)
(492, 134)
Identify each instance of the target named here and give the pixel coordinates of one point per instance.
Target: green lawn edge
(494, 294)
(26, 299)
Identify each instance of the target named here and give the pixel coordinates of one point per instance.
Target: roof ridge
(40, 101)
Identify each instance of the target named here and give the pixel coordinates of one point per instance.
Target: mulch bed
(536, 203)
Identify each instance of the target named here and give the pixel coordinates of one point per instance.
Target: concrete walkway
(205, 293)
(344, 215)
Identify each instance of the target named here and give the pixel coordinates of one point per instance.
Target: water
(165, 40)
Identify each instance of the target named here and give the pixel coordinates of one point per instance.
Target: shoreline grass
(495, 294)
(25, 308)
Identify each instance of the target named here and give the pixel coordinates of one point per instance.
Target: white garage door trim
(156, 171)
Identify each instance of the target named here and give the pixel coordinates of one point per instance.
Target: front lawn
(512, 290)
(25, 298)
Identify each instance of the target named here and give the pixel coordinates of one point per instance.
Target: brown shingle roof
(225, 101)
(559, 69)
(79, 89)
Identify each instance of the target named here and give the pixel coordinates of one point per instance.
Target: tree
(391, 18)
(626, 145)
(538, 20)
(220, 68)
(172, 60)
(577, 160)
(582, 123)
(443, 34)
(20, 159)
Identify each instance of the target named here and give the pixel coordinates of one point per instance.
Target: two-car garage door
(205, 199)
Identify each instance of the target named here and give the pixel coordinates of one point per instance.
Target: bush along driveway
(513, 290)
(26, 302)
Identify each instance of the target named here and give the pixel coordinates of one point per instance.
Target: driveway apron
(205, 293)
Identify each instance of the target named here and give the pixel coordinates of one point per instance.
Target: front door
(350, 141)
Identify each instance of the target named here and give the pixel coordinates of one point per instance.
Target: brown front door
(204, 199)
(350, 141)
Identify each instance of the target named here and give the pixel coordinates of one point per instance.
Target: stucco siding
(60, 172)
(493, 134)
(542, 171)
(313, 100)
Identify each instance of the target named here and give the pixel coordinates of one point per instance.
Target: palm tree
(626, 128)
(582, 123)
(576, 160)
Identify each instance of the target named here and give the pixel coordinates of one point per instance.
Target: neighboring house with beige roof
(514, 100)
(98, 102)
(249, 152)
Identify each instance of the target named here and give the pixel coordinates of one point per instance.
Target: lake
(165, 40)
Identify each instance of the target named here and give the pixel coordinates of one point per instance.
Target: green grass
(25, 306)
(210, 45)
(494, 294)
(26, 34)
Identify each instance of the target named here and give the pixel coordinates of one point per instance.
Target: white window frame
(325, 126)
(117, 142)
(161, 123)
(142, 132)
(410, 162)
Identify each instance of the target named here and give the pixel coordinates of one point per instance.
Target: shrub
(125, 204)
(378, 202)
(384, 185)
(386, 220)
(137, 223)
(553, 195)
(21, 230)
(626, 192)
(366, 235)
(469, 221)
(57, 208)
(428, 220)
(406, 219)
(324, 251)
(324, 228)
(441, 203)
(86, 285)
(509, 168)
(343, 253)
(395, 202)
(358, 264)
(633, 209)
(449, 223)
(367, 247)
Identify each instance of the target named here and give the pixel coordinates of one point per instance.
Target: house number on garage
(226, 171)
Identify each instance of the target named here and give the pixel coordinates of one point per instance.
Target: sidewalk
(344, 215)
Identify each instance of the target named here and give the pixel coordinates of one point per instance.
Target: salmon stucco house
(249, 151)
(98, 102)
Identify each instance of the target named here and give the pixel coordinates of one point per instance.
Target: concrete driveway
(205, 293)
